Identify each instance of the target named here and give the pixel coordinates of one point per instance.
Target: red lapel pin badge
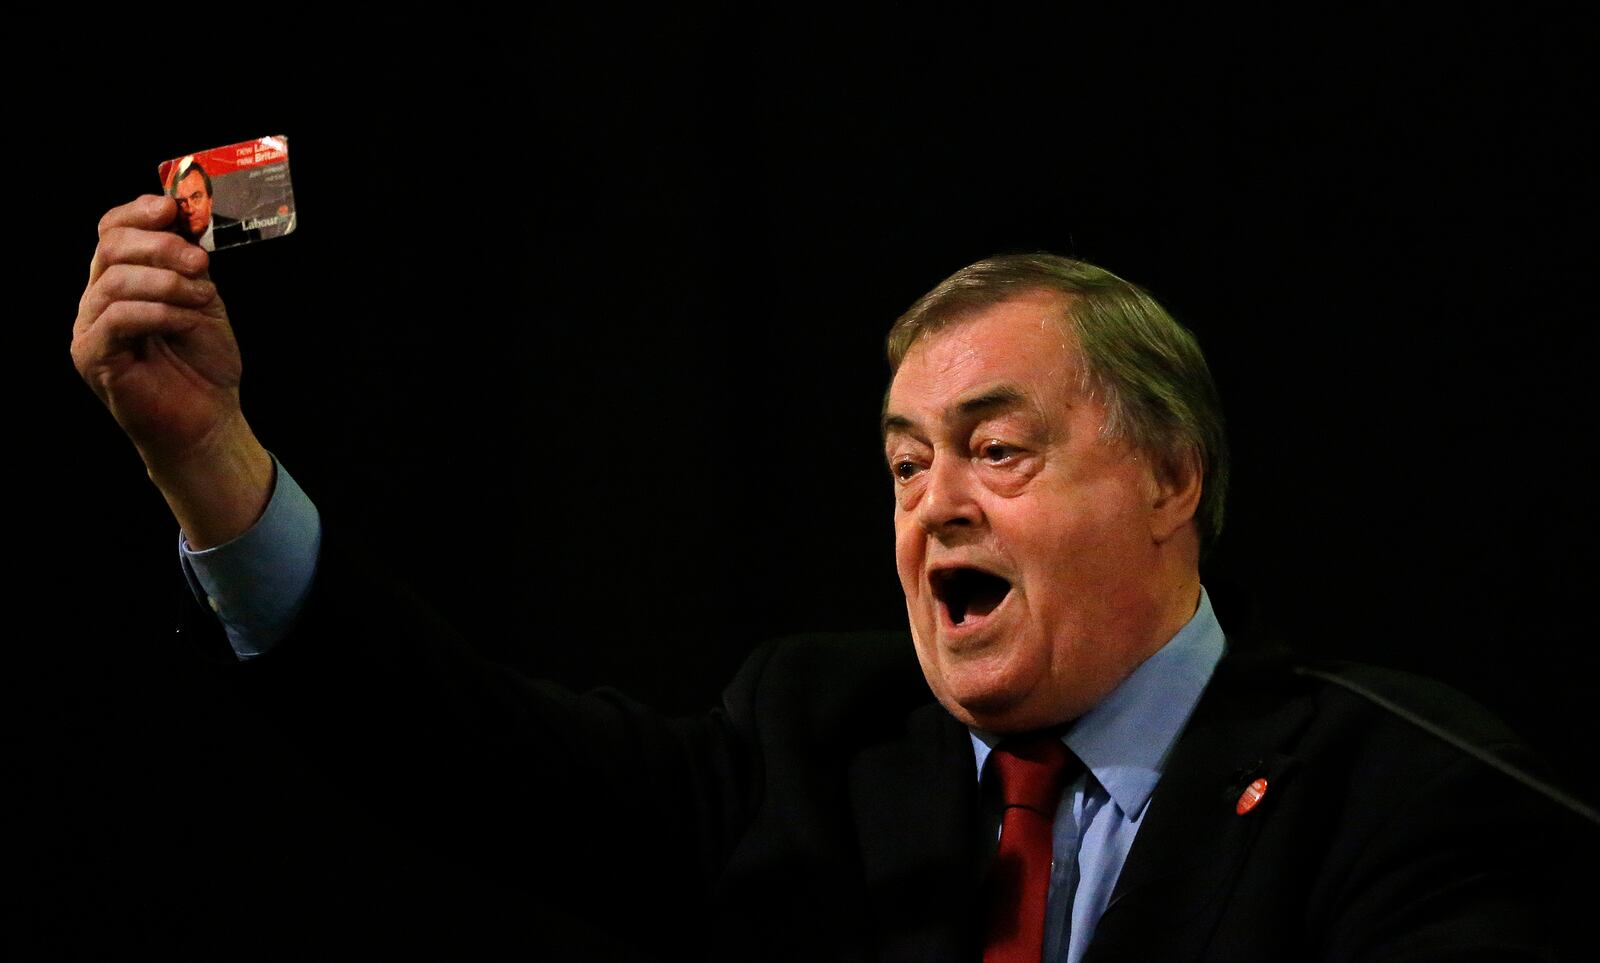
(1251, 797)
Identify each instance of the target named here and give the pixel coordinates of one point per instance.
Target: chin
(989, 693)
(1003, 697)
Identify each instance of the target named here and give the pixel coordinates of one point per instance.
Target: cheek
(1079, 562)
(906, 542)
(1099, 583)
(1102, 516)
(909, 560)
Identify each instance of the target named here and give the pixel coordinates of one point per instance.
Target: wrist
(220, 489)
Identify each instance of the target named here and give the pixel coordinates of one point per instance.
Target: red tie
(1031, 769)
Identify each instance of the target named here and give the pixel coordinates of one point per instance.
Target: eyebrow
(988, 401)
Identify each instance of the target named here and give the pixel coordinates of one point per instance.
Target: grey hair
(1145, 367)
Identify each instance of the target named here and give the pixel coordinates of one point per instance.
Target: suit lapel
(914, 799)
(1192, 841)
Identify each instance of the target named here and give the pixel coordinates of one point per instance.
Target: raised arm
(152, 340)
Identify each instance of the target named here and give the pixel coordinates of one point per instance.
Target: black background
(582, 326)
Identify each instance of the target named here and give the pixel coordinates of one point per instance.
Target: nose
(949, 502)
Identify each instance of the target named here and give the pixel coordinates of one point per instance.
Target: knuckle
(142, 208)
(113, 283)
(115, 313)
(82, 358)
(127, 319)
(113, 245)
(174, 249)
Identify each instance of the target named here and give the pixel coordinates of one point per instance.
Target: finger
(130, 320)
(126, 322)
(136, 282)
(151, 212)
(163, 249)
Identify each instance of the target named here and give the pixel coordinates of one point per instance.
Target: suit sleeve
(584, 799)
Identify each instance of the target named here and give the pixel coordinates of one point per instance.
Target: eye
(996, 452)
(904, 469)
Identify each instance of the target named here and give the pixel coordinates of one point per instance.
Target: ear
(1178, 481)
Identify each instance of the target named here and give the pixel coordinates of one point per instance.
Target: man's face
(1024, 541)
(194, 203)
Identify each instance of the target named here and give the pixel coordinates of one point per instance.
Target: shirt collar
(1125, 740)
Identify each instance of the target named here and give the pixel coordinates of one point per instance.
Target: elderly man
(1084, 768)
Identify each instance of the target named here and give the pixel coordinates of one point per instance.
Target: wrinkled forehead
(1022, 346)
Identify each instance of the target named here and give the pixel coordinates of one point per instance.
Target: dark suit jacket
(228, 231)
(827, 810)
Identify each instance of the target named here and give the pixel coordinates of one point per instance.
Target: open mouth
(968, 593)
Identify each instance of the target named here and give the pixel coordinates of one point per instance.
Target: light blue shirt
(258, 583)
(1124, 743)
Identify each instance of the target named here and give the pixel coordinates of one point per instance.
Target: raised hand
(152, 340)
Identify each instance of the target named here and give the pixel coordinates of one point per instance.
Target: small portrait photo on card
(233, 195)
